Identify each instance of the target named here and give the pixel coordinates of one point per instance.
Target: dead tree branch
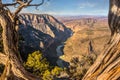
(3, 58)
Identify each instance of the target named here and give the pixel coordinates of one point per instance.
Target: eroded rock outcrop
(42, 32)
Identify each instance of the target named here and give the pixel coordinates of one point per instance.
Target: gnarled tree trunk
(14, 69)
(107, 65)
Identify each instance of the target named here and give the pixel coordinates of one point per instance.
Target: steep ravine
(60, 62)
(59, 53)
(42, 32)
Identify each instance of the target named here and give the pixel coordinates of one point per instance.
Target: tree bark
(3, 58)
(10, 57)
(107, 64)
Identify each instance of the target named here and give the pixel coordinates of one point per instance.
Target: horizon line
(65, 14)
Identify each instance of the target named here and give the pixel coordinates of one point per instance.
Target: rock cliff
(41, 32)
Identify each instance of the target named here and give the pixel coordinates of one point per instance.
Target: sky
(70, 7)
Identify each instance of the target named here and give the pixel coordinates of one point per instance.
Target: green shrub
(36, 63)
(39, 66)
(47, 75)
(53, 74)
(56, 71)
(79, 67)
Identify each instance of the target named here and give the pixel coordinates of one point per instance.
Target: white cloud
(87, 5)
(67, 13)
(56, 12)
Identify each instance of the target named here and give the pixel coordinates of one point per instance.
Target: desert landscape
(90, 35)
(49, 40)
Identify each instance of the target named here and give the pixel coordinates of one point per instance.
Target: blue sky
(71, 7)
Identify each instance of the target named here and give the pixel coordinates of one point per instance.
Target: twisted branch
(21, 4)
(3, 58)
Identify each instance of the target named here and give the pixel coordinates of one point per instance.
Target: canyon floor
(90, 35)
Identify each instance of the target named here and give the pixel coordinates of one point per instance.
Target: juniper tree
(9, 22)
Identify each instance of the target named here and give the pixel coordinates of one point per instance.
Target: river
(60, 53)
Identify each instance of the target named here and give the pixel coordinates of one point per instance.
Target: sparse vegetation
(38, 65)
(53, 74)
(79, 67)
(106, 67)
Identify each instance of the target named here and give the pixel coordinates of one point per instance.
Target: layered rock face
(42, 32)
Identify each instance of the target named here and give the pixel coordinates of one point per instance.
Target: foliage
(79, 67)
(56, 71)
(53, 74)
(38, 65)
(47, 75)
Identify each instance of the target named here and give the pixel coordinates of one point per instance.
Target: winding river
(60, 53)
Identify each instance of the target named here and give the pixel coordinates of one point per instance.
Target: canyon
(62, 38)
(42, 32)
(90, 35)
